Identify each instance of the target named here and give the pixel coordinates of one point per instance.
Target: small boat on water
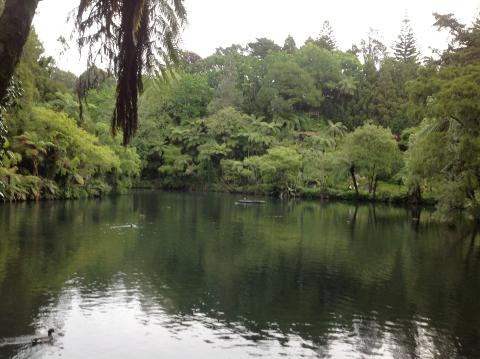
(125, 226)
(250, 201)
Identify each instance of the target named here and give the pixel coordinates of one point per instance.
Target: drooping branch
(125, 115)
(134, 36)
(92, 78)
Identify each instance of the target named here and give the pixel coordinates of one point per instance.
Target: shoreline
(334, 195)
(330, 194)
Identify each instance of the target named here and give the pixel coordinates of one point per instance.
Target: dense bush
(49, 153)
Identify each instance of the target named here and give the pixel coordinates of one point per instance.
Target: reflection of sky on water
(200, 277)
(126, 323)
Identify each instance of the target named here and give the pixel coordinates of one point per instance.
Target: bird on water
(44, 340)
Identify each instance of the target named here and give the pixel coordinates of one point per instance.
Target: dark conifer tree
(405, 48)
(290, 46)
(326, 39)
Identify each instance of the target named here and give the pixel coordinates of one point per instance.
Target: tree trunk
(375, 183)
(416, 194)
(35, 167)
(476, 228)
(371, 181)
(15, 23)
(80, 108)
(354, 179)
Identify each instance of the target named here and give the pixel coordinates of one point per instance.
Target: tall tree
(373, 151)
(287, 89)
(464, 46)
(228, 93)
(326, 39)
(446, 149)
(373, 49)
(405, 48)
(15, 23)
(290, 46)
(134, 36)
(262, 47)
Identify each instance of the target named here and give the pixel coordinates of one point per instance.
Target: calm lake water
(201, 277)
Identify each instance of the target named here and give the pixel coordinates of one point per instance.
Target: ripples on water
(201, 278)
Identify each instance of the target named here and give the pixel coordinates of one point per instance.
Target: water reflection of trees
(319, 271)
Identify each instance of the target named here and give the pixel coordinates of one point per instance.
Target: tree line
(290, 120)
(313, 120)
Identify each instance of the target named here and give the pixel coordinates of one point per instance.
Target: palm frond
(133, 37)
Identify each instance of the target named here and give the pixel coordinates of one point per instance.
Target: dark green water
(202, 277)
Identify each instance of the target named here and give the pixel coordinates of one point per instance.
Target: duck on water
(44, 340)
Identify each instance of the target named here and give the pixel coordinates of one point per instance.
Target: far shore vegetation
(377, 122)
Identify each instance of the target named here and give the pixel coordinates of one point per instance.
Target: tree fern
(133, 36)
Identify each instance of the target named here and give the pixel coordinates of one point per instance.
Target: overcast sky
(219, 23)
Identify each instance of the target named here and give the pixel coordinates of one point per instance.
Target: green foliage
(336, 131)
(15, 186)
(372, 48)
(92, 78)
(425, 157)
(191, 154)
(227, 93)
(263, 47)
(323, 170)
(277, 171)
(268, 104)
(261, 118)
(374, 153)
(177, 168)
(443, 154)
(391, 100)
(54, 149)
(288, 89)
(48, 154)
(326, 39)
(464, 46)
(190, 97)
(14, 92)
(289, 46)
(132, 38)
(405, 48)
(324, 66)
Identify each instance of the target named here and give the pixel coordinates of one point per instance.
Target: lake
(199, 276)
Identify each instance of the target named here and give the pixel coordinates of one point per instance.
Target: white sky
(220, 23)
